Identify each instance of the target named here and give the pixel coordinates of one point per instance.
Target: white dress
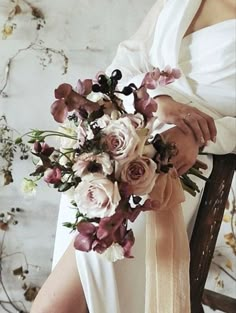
(207, 61)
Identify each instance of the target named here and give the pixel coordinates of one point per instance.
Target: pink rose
(52, 175)
(121, 139)
(140, 174)
(97, 196)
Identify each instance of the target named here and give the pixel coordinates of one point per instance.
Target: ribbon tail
(167, 262)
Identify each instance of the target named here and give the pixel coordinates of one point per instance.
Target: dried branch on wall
(8, 150)
(45, 59)
(18, 7)
(47, 53)
(29, 291)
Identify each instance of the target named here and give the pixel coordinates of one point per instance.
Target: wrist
(161, 97)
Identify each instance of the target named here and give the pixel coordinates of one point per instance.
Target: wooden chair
(205, 233)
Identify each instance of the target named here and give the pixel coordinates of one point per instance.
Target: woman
(197, 37)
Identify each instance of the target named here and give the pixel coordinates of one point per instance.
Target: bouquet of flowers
(108, 160)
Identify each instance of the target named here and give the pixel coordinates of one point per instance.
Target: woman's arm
(226, 137)
(132, 56)
(219, 134)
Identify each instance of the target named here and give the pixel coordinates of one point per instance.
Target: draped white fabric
(207, 61)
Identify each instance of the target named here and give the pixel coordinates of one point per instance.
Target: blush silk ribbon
(167, 251)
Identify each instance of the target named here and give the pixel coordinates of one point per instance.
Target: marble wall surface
(88, 33)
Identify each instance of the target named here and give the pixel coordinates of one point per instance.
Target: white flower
(81, 134)
(90, 134)
(97, 196)
(102, 122)
(70, 141)
(28, 187)
(137, 120)
(95, 96)
(71, 133)
(113, 253)
(85, 159)
(115, 114)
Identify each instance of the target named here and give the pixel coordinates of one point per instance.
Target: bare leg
(62, 292)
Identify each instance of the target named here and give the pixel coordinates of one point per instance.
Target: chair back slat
(207, 225)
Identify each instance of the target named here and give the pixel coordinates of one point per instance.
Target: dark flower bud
(127, 90)
(83, 113)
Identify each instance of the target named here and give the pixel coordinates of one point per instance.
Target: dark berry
(104, 88)
(96, 88)
(102, 79)
(116, 74)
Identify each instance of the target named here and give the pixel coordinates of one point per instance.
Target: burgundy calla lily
(69, 100)
(84, 87)
(85, 237)
(128, 243)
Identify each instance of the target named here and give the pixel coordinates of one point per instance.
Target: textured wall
(88, 32)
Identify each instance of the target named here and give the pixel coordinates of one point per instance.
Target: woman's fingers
(203, 127)
(211, 127)
(195, 125)
(182, 126)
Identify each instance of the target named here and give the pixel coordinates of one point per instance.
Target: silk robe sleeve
(226, 137)
(133, 59)
(132, 56)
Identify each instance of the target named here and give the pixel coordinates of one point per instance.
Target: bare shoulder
(212, 12)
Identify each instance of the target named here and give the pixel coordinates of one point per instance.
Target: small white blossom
(28, 187)
(114, 252)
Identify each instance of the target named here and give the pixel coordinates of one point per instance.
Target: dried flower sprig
(7, 219)
(8, 149)
(17, 9)
(45, 59)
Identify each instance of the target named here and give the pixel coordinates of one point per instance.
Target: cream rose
(121, 139)
(140, 174)
(97, 196)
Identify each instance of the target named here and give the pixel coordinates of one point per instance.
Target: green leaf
(18, 140)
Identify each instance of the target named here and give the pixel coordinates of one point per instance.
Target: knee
(43, 306)
(53, 304)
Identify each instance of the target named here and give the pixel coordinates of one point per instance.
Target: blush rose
(97, 196)
(140, 174)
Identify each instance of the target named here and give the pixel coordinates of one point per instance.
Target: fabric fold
(167, 251)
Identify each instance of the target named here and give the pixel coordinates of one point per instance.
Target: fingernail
(202, 140)
(214, 139)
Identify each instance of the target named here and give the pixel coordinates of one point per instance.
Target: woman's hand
(187, 149)
(188, 119)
